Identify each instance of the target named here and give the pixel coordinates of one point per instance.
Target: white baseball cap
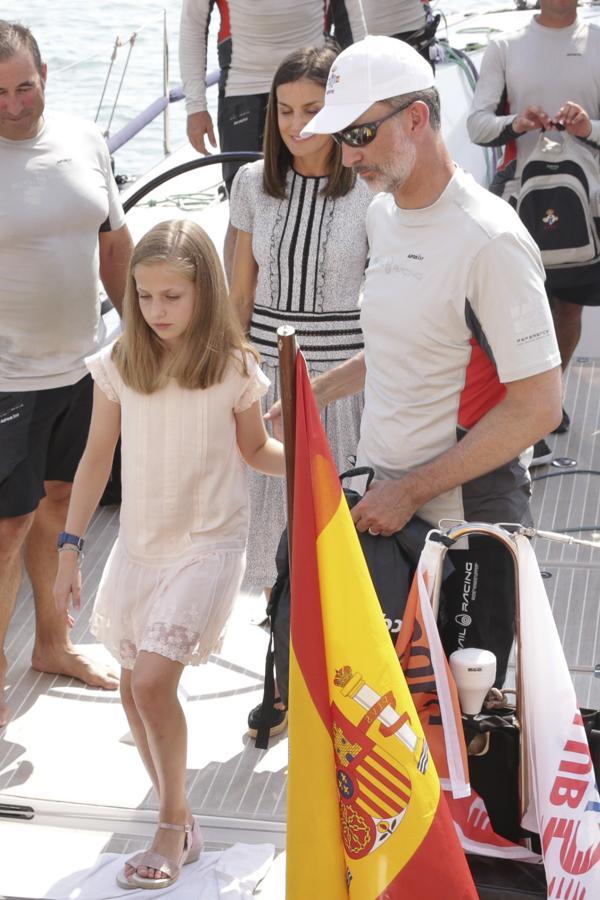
(373, 69)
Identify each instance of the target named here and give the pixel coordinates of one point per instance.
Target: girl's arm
(243, 279)
(90, 480)
(258, 449)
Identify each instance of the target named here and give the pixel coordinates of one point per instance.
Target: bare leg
(52, 650)
(154, 685)
(12, 537)
(567, 322)
(137, 728)
(229, 251)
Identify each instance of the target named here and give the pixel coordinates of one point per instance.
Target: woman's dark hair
(314, 64)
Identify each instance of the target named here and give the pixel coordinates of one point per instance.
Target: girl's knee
(150, 695)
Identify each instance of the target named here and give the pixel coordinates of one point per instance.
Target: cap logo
(332, 81)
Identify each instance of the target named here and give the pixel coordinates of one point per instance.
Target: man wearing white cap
(461, 367)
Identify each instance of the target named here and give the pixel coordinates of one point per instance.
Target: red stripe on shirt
(483, 389)
(225, 26)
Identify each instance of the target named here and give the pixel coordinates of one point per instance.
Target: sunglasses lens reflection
(359, 136)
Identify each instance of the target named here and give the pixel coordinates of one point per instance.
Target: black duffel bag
(494, 775)
(392, 562)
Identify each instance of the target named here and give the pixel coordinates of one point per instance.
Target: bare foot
(4, 710)
(67, 661)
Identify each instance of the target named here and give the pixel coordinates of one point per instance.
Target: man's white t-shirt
(57, 193)
(453, 307)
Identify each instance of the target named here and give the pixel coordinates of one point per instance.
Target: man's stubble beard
(391, 176)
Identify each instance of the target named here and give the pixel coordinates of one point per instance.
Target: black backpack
(559, 203)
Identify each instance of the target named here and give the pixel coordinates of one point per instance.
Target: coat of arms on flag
(374, 783)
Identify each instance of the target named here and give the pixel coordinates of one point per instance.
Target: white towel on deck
(230, 874)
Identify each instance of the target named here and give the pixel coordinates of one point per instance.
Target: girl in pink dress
(182, 388)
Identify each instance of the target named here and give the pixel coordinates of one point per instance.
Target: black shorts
(580, 286)
(42, 438)
(241, 123)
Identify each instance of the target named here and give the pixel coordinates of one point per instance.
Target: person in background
(300, 259)
(460, 368)
(513, 102)
(61, 227)
(408, 20)
(183, 387)
(254, 37)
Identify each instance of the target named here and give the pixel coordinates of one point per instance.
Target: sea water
(77, 39)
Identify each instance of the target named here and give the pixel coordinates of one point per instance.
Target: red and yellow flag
(366, 817)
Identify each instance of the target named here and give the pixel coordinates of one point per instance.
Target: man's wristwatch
(73, 539)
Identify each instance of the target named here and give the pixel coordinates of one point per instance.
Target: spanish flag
(366, 816)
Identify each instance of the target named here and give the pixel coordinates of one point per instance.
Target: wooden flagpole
(287, 347)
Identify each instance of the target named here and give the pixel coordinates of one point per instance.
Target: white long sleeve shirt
(537, 66)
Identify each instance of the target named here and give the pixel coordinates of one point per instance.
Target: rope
(106, 80)
(132, 41)
(188, 202)
(581, 528)
(567, 472)
(118, 42)
(466, 64)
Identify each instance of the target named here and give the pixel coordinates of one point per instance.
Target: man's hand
(199, 126)
(574, 119)
(386, 507)
(275, 417)
(531, 119)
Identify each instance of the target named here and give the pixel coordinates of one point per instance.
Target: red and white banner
(563, 803)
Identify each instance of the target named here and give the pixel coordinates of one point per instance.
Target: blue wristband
(66, 538)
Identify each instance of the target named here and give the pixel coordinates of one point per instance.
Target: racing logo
(468, 596)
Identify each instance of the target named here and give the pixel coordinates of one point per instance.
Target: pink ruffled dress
(172, 576)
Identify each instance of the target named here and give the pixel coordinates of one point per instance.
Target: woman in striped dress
(300, 258)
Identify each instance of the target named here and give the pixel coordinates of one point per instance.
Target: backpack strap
(261, 741)
(359, 470)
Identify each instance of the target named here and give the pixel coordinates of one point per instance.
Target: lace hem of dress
(174, 642)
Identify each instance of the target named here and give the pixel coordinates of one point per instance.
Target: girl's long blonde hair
(214, 334)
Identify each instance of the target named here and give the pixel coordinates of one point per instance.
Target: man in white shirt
(409, 20)
(461, 369)
(61, 226)
(543, 75)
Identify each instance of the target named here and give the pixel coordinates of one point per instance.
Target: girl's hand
(67, 587)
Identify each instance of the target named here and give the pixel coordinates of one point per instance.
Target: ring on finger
(373, 532)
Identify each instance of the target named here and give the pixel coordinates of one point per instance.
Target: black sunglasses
(361, 135)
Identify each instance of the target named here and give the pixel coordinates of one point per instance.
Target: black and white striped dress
(311, 252)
